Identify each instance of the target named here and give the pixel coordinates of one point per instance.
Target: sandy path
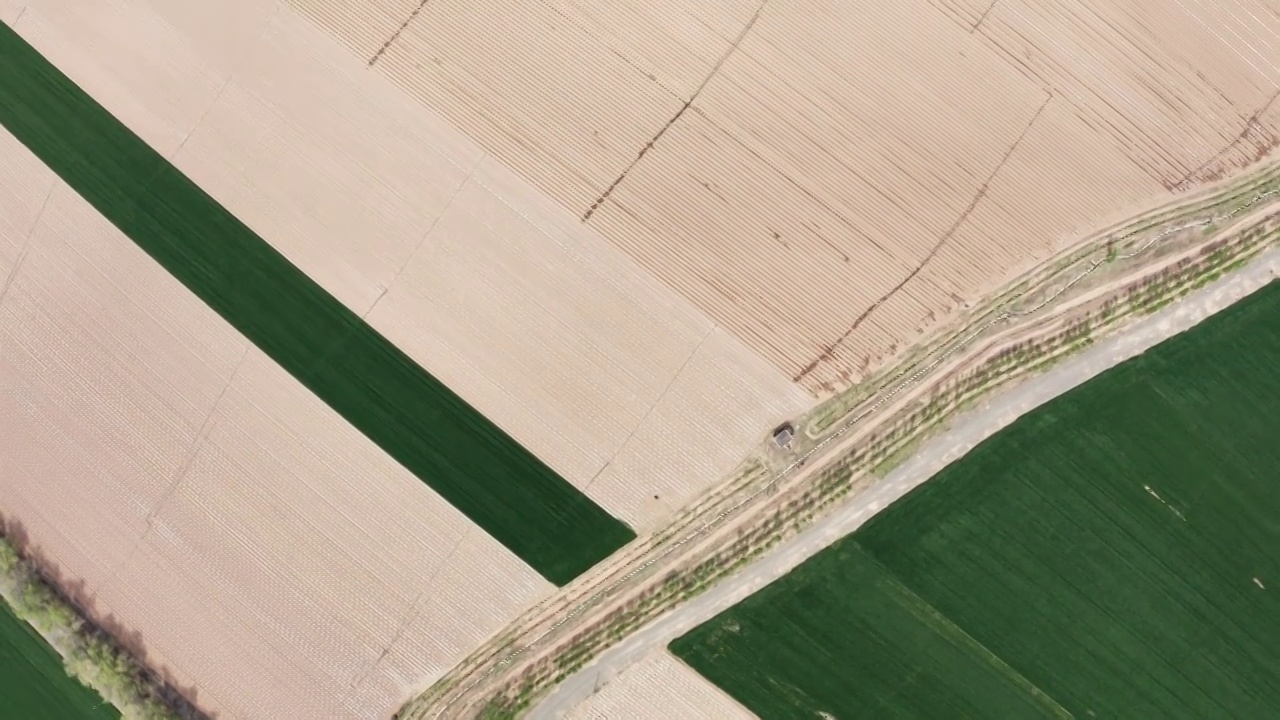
(660, 687)
(966, 432)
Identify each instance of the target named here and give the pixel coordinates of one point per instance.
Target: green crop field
(33, 682)
(432, 432)
(1114, 554)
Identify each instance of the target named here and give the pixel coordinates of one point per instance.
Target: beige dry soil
(190, 491)
(634, 234)
(828, 180)
(264, 551)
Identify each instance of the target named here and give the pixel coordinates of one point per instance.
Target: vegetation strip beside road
(87, 653)
(364, 377)
(797, 522)
(565, 633)
(1110, 553)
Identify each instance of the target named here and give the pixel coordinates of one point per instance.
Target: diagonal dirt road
(968, 430)
(1202, 216)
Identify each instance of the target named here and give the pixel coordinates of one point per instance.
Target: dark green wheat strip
(428, 429)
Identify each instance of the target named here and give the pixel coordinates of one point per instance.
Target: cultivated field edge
(89, 652)
(836, 479)
(831, 526)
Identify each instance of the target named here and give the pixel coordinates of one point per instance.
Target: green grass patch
(877, 652)
(1112, 554)
(33, 682)
(427, 428)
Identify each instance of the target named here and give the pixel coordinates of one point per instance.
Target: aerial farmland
(805, 182)
(339, 339)
(1108, 554)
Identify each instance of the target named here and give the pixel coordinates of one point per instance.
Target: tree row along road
(996, 413)
(553, 618)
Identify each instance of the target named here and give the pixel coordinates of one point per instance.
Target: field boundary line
(853, 421)
(929, 614)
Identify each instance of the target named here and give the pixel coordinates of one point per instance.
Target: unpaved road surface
(966, 432)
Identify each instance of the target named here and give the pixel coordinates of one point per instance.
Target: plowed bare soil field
(605, 246)
(533, 319)
(237, 532)
(216, 511)
(829, 180)
(358, 372)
